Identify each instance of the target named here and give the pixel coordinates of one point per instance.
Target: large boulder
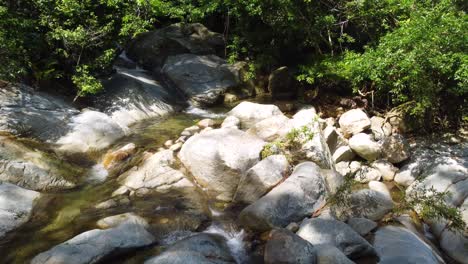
(251, 113)
(94, 245)
(261, 178)
(151, 49)
(399, 245)
(201, 248)
(395, 149)
(16, 205)
(385, 168)
(367, 174)
(285, 247)
(271, 128)
(281, 84)
(328, 254)
(202, 78)
(28, 113)
(370, 204)
(363, 145)
(362, 226)
(297, 197)
(218, 158)
(353, 122)
(320, 231)
(380, 128)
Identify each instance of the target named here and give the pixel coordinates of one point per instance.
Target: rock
(379, 128)
(297, 197)
(151, 49)
(231, 121)
(333, 232)
(285, 247)
(251, 113)
(27, 113)
(111, 158)
(96, 244)
(367, 174)
(203, 79)
(293, 227)
(363, 145)
(261, 178)
(156, 174)
(344, 153)
(281, 84)
(348, 169)
(369, 204)
(333, 179)
(204, 123)
(421, 159)
(177, 146)
(380, 187)
(328, 254)
(362, 226)
(386, 169)
(218, 158)
(16, 205)
(399, 245)
(454, 244)
(201, 248)
(353, 122)
(271, 128)
(331, 137)
(395, 149)
(116, 220)
(193, 129)
(168, 143)
(35, 169)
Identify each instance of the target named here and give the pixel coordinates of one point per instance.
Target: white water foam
(97, 174)
(234, 240)
(193, 110)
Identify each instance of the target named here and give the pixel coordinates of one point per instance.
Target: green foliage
(86, 83)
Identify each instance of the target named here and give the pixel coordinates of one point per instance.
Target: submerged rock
(16, 205)
(285, 247)
(251, 113)
(218, 158)
(297, 197)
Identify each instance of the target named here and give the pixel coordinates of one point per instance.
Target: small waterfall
(97, 174)
(194, 110)
(234, 240)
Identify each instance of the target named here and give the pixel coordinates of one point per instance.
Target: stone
(398, 245)
(204, 123)
(363, 145)
(328, 254)
(202, 78)
(281, 84)
(353, 122)
(369, 204)
(454, 244)
(293, 227)
(231, 121)
(367, 174)
(202, 248)
(395, 149)
(379, 128)
(283, 246)
(168, 143)
(298, 196)
(271, 128)
(16, 205)
(362, 226)
(176, 147)
(331, 137)
(261, 178)
(151, 49)
(333, 232)
(113, 157)
(386, 169)
(94, 245)
(333, 179)
(344, 153)
(251, 113)
(380, 187)
(116, 220)
(217, 159)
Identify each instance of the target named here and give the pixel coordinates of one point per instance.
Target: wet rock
(251, 113)
(231, 121)
(353, 122)
(218, 158)
(369, 204)
(16, 205)
(395, 149)
(111, 158)
(399, 245)
(344, 153)
(333, 232)
(261, 178)
(362, 226)
(328, 254)
(297, 197)
(204, 123)
(363, 145)
(116, 220)
(201, 248)
(203, 79)
(367, 174)
(379, 128)
(285, 247)
(151, 49)
(281, 84)
(271, 128)
(94, 245)
(385, 168)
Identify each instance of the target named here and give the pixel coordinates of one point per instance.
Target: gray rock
(362, 226)
(380, 187)
(363, 145)
(281, 84)
(271, 128)
(203, 79)
(395, 149)
(353, 122)
(285, 247)
(261, 178)
(369, 204)
(399, 245)
(151, 49)
(367, 174)
(231, 121)
(344, 153)
(386, 169)
(16, 205)
(379, 128)
(333, 179)
(333, 232)
(204, 123)
(201, 248)
(251, 113)
(297, 197)
(331, 137)
(328, 254)
(218, 158)
(94, 245)
(454, 244)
